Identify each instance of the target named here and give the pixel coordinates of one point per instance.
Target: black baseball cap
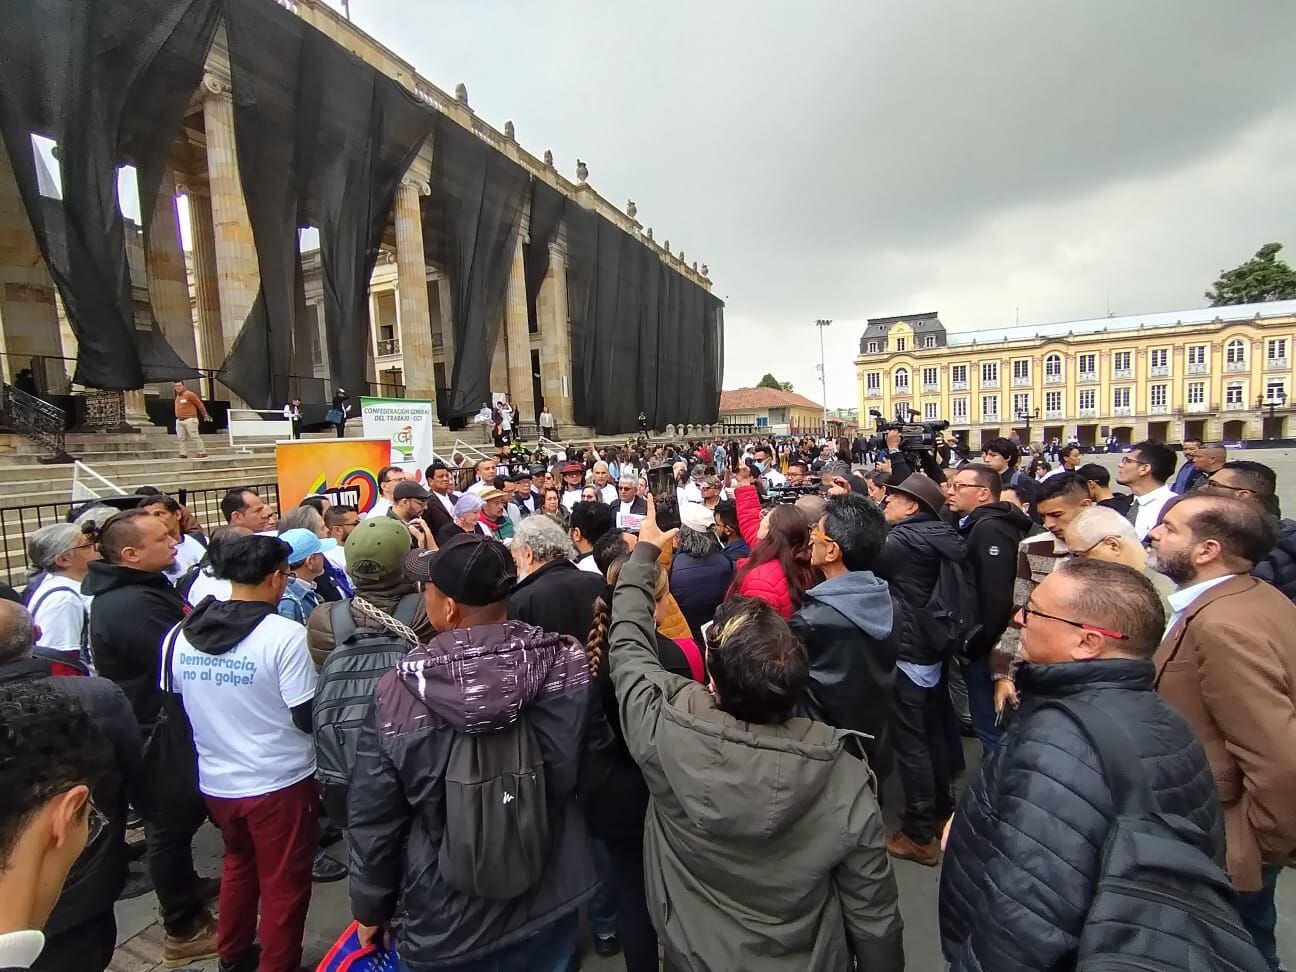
(470, 568)
(408, 489)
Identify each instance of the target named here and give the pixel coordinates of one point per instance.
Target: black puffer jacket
(1023, 852)
(133, 609)
(99, 874)
(1279, 568)
(909, 563)
(992, 533)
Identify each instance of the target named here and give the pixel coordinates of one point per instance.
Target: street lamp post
(1273, 404)
(823, 373)
(1025, 416)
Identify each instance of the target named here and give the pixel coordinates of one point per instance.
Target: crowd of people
(664, 689)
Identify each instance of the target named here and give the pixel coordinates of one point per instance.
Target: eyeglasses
(818, 535)
(96, 822)
(1101, 540)
(1127, 460)
(957, 485)
(1027, 611)
(1216, 484)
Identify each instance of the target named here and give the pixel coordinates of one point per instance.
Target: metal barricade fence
(17, 523)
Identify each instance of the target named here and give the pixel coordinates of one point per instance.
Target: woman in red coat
(778, 570)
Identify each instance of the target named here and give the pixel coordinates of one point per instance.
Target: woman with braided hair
(615, 813)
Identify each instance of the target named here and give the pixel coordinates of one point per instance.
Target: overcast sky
(849, 160)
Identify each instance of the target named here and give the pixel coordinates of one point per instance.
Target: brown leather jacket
(1228, 665)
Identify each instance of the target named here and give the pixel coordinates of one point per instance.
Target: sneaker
(607, 947)
(904, 847)
(325, 868)
(186, 951)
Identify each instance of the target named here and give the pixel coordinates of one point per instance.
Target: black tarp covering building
(470, 228)
(643, 337)
(108, 82)
(323, 140)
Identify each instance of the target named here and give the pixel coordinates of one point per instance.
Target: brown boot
(185, 951)
(904, 847)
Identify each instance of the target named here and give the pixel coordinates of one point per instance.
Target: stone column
(168, 279)
(211, 339)
(519, 340)
(411, 286)
(30, 319)
(237, 274)
(555, 339)
(136, 413)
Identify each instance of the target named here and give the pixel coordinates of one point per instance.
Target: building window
(1053, 402)
(901, 379)
(1276, 349)
(1088, 399)
(1275, 391)
(1088, 365)
(958, 374)
(1053, 366)
(958, 409)
(1196, 392)
(1235, 352)
(929, 411)
(989, 372)
(1233, 394)
(1196, 354)
(872, 347)
(989, 406)
(1121, 360)
(873, 381)
(1121, 397)
(929, 377)
(1157, 396)
(900, 343)
(929, 341)
(1021, 368)
(1021, 403)
(1159, 357)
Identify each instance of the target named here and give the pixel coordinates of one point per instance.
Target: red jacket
(767, 581)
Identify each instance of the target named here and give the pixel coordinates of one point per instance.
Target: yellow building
(769, 411)
(1216, 373)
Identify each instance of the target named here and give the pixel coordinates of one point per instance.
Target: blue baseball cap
(304, 543)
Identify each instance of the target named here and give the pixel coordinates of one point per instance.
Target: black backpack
(1160, 903)
(346, 685)
(949, 619)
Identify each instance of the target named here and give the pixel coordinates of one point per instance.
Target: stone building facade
(1216, 373)
(201, 296)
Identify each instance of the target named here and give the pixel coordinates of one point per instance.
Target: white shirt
(336, 557)
(773, 477)
(239, 706)
(1149, 509)
(205, 585)
(586, 563)
(571, 497)
(380, 508)
(546, 420)
(506, 418)
(61, 612)
(18, 950)
(608, 492)
(1182, 599)
(691, 492)
(188, 552)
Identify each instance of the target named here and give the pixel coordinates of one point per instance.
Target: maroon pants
(270, 843)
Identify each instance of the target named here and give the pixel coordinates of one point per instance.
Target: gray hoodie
(764, 846)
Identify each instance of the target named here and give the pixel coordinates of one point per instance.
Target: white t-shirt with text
(239, 705)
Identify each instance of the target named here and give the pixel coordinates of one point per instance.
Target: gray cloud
(853, 160)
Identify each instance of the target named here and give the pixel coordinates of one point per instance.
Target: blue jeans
(548, 950)
(980, 693)
(602, 908)
(1260, 916)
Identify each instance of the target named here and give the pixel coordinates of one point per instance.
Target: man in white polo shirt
(247, 682)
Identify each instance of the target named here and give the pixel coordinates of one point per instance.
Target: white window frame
(1235, 351)
(1195, 393)
(990, 368)
(1158, 395)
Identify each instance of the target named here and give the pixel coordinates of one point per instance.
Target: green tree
(1263, 277)
(769, 381)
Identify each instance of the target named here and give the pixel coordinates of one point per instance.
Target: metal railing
(35, 419)
(105, 411)
(388, 346)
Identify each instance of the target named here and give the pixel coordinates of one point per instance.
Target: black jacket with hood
(992, 534)
(1279, 567)
(910, 563)
(848, 625)
(558, 597)
(99, 874)
(467, 682)
(133, 610)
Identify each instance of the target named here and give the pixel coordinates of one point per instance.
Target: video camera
(914, 436)
(787, 493)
